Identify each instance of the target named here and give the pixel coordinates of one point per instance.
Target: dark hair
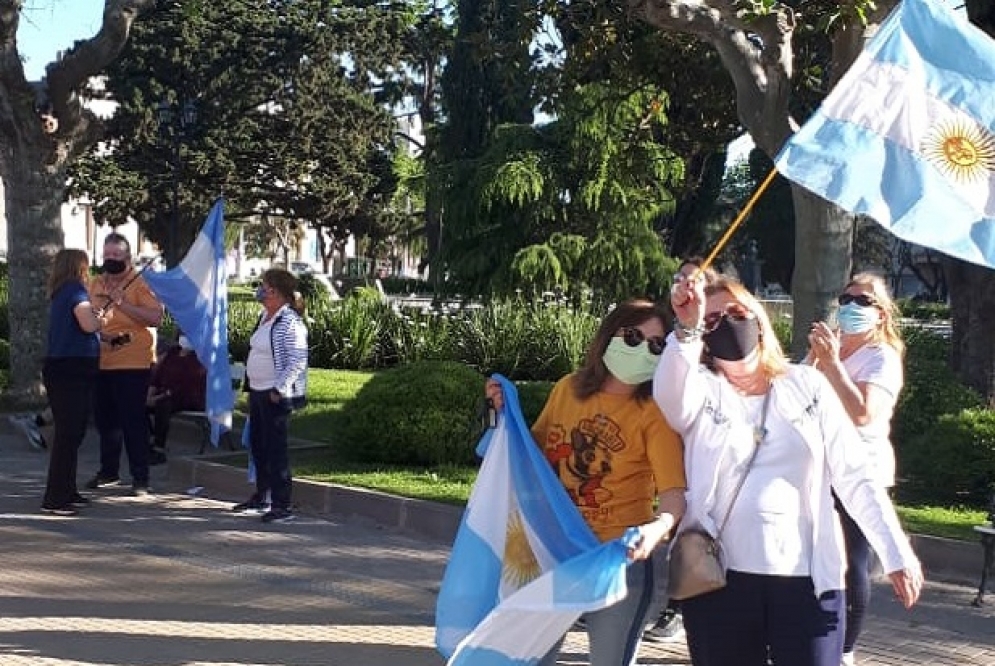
(285, 283)
(116, 238)
(593, 373)
(68, 265)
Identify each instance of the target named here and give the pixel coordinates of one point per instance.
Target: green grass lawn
(330, 390)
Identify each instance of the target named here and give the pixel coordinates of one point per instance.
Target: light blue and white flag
(908, 134)
(196, 294)
(524, 565)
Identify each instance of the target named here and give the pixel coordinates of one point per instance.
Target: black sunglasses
(633, 336)
(862, 300)
(735, 311)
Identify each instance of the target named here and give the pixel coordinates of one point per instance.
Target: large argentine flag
(907, 137)
(196, 294)
(524, 565)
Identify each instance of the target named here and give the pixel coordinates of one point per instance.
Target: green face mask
(630, 365)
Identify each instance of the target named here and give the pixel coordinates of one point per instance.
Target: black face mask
(114, 266)
(733, 339)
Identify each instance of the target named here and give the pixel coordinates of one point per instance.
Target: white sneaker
(848, 659)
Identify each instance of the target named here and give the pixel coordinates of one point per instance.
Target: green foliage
(282, 127)
(569, 204)
(953, 460)
(923, 310)
(423, 413)
(932, 396)
(532, 397)
(406, 286)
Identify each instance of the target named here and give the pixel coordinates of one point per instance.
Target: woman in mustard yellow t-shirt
(618, 459)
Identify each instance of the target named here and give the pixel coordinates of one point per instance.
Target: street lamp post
(175, 126)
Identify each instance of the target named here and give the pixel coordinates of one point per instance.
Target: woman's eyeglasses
(862, 300)
(735, 311)
(633, 336)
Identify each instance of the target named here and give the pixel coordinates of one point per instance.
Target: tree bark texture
(33, 165)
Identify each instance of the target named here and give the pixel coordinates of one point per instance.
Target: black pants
(69, 383)
(119, 412)
(756, 617)
(161, 413)
(268, 441)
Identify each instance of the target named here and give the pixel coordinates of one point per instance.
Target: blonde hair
(886, 332)
(773, 362)
(68, 265)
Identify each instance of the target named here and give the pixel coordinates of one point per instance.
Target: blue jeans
(614, 632)
(858, 578)
(756, 617)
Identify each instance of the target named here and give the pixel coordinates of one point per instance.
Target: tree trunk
(33, 195)
(972, 288)
(972, 311)
(823, 260)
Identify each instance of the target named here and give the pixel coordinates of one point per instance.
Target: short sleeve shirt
(612, 453)
(881, 366)
(65, 337)
(139, 353)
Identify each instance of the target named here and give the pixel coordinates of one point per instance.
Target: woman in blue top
(69, 373)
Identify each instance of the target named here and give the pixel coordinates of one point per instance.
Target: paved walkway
(176, 580)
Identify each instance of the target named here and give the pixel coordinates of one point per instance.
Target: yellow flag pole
(735, 223)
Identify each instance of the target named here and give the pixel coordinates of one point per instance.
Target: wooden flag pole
(735, 223)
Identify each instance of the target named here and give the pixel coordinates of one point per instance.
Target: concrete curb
(947, 560)
(430, 520)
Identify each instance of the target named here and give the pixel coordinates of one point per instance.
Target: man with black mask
(127, 353)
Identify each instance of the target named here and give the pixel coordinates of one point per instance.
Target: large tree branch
(16, 96)
(86, 59)
(757, 54)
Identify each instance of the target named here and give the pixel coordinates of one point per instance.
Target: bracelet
(688, 334)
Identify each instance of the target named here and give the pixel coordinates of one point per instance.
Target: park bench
(201, 420)
(987, 534)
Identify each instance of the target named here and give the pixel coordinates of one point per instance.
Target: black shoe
(278, 515)
(140, 491)
(253, 505)
(157, 457)
(100, 481)
(64, 511)
(79, 501)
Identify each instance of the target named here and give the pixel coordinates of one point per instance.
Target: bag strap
(759, 432)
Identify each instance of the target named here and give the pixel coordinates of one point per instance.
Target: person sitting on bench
(179, 384)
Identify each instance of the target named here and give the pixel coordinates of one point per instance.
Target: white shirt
(704, 409)
(881, 366)
(259, 366)
(770, 527)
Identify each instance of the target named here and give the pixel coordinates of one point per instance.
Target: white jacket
(692, 399)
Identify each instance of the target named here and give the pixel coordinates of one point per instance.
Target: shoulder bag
(696, 563)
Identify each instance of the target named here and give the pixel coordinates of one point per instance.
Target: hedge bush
(935, 419)
(953, 461)
(423, 413)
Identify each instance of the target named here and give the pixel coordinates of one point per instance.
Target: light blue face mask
(854, 318)
(630, 365)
